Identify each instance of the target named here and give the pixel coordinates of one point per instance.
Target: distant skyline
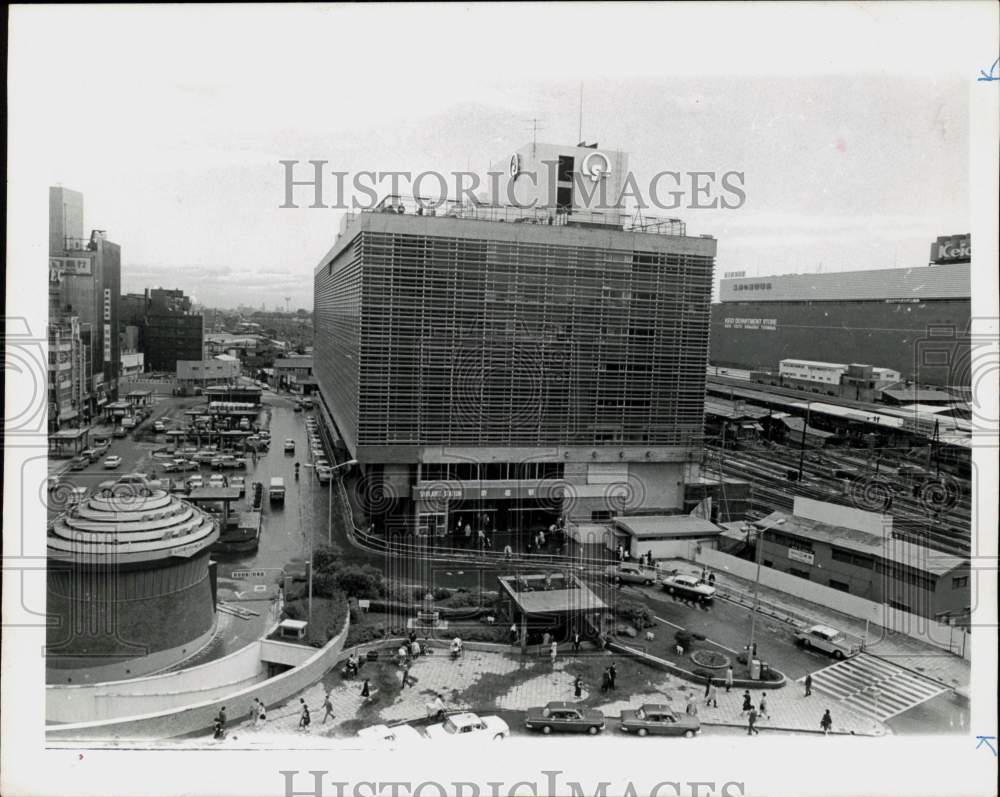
(842, 172)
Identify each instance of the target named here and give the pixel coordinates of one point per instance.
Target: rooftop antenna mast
(580, 131)
(535, 127)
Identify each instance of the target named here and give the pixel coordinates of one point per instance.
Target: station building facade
(514, 372)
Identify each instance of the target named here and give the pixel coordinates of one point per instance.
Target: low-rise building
(856, 552)
(214, 371)
(295, 373)
(133, 364)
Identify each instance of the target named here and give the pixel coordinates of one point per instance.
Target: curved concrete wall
(124, 668)
(198, 716)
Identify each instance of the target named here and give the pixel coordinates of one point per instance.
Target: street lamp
(761, 530)
(329, 524)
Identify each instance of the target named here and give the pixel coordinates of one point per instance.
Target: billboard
(70, 266)
(952, 249)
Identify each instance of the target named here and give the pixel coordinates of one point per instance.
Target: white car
(289, 446)
(112, 462)
(469, 726)
(323, 473)
(385, 733)
(828, 640)
(159, 426)
(238, 483)
(195, 482)
(686, 586)
(217, 480)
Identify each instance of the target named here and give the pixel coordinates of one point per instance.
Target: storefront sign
(801, 556)
(437, 492)
(951, 249)
(767, 324)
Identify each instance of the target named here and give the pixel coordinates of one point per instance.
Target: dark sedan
(561, 717)
(653, 718)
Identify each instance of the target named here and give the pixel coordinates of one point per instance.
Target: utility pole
(756, 598)
(802, 442)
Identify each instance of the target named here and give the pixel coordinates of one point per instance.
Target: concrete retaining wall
(885, 617)
(199, 716)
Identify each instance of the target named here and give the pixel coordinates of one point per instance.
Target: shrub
(684, 638)
(292, 611)
(635, 613)
(442, 594)
(461, 600)
(360, 581)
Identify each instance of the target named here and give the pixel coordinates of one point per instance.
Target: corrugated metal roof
(926, 282)
(892, 550)
(666, 525)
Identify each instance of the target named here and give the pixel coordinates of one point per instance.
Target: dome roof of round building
(132, 522)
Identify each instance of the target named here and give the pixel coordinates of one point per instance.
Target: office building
(168, 330)
(515, 364)
(84, 283)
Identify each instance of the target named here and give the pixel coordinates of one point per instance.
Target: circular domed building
(131, 589)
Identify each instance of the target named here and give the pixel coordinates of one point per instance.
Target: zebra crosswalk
(875, 687)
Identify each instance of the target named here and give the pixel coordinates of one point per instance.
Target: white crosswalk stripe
(874, 686)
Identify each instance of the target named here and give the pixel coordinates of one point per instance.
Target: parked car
(386, 733)
(687, 586)
(195, 482)
(204, 457)
(216, 480)
(159, 426)
(79, 462)
(289, 446)
(91, 454)
(101, 444)
(240, 463)
(244, 425)
(297, 408)
(828, 640)
(323, 473)
(112, 462)
(658, 719)
(128, 423)
(629, 573)
(118, 432)
(173, 466)
(469, 726)
(239, 483)
(560, 716)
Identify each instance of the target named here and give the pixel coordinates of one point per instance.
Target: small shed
(666, 536)
(292, 629)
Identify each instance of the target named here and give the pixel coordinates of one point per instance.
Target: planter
(710, 659)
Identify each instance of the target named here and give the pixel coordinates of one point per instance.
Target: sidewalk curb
(784, 729)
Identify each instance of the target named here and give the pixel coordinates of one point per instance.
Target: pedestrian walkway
(875, 687)
(535, 682)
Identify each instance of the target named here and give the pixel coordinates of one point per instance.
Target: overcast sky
(172, 120)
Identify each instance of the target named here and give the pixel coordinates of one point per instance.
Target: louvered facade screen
(541, 339)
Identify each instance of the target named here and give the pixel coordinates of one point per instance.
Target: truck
(276, 492)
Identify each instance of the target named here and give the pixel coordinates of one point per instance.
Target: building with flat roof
(855, 551)
(84, 287)
(514, 363)
(911, 320)
(219, 370)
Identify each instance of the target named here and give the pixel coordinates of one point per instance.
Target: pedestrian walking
(752, 722)
(221, 718)
(613, 674)
(713, 697)
(554, 652)
(366, 690)
(708, 686)
(414, 649)
(762, 706)
(261, 714)
(576, 641)
(578, 686)
(407, 680)
(826, 723)
(508, 552)
(729, 678)
(327, 708)
(809, 684)
(254, 712)
(304, 718)
(691, 709)
(747, 703)
(513, 633)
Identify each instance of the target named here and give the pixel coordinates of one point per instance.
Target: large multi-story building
(554, 364)
(911, 320)
(85, 283)
(167, 329)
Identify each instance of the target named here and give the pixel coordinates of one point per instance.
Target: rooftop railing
(547, 216)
